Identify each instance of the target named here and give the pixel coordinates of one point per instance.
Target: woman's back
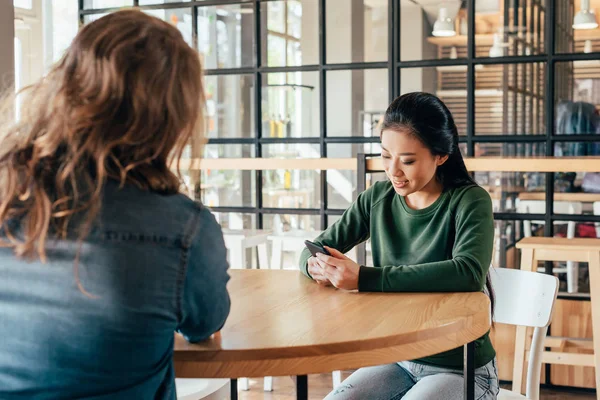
(114, 339)
(101, 258)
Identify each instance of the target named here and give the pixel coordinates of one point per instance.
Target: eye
(408, 162)
(386, 156)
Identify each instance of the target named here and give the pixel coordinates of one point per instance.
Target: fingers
(335, 252)
(328, 259)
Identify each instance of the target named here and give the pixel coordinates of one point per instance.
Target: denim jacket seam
(188, 234)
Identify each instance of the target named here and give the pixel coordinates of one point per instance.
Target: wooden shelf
(461, 40)
(253, 164)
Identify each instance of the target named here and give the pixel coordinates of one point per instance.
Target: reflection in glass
(357, 31)
(291, 105)
(229, 105)
(356, 101)
(235, 220)
(509, 99)
(291, 34)
(226, 36)
(300, 224)
(148, 2)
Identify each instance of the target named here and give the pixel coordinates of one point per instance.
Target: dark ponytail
(428, 119)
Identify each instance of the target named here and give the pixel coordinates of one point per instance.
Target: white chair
(208, 389)
(238, 240)
(597, 212)
(525, 299)
(560, 207)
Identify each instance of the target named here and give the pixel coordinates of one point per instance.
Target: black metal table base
(234, 389)
(469, 371)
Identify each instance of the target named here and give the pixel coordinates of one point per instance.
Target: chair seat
(196, 389)
(508, 395)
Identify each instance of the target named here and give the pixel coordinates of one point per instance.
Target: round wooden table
(282, 323)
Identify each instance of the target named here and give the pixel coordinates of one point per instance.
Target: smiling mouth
(399, 184)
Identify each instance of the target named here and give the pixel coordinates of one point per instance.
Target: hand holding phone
(315, 248)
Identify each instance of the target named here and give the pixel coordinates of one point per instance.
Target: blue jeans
(411, 381)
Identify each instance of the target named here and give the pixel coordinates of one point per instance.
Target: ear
(441, 160)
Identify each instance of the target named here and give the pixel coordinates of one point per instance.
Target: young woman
(103, 259)
(431, 229)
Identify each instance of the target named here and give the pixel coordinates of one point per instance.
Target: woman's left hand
(341, 271)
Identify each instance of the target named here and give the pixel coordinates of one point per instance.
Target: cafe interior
(295, 95)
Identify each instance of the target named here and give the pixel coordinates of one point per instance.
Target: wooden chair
(534, 249)
(560, 207)
(525, 299)
(207, 389)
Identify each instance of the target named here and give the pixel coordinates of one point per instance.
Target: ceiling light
(585, 18)
(444, 26)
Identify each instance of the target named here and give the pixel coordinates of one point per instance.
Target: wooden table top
(557, 243)
(282, 323)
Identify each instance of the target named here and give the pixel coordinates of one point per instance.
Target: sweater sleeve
(351, 229)
(465, 272)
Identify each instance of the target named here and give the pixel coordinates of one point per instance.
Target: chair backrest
(526, 299)
(597, 208)
(539, 207)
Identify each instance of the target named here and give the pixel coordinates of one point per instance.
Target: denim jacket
(104, 328)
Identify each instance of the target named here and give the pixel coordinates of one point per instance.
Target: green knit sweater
(446, 247)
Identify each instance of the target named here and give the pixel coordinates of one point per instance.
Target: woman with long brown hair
(102, 258)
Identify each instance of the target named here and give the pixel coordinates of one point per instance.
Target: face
(408, 163)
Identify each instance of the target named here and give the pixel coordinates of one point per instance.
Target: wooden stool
(534, 249)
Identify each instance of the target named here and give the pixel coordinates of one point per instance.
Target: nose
(395, 169)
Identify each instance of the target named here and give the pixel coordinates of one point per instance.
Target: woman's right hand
(316, 271)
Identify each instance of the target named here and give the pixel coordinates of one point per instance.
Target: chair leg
(263, 257)
(277, 255)
(268, 386)
(572, 277)
(336, 376)
(244, 384)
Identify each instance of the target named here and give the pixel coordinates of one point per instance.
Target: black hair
(426, 117)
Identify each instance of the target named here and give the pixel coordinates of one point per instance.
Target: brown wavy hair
(121, 104)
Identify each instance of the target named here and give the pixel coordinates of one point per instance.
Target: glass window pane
(148, 2)
(433, 30)
(517, 29)
(229, 106)
(179, 17)
(509, 99)
(292, 33)
(228, 188)
(65, 24)
(279, 223)
(226, 36)
(356, 101)
(236, 220)
(290, 105)
(291, 188)
(449, 83)
(577, 98)
(26, 4)
(92, 17)
(357, 31)
(577, 27)
(94, 4)
(291, 150)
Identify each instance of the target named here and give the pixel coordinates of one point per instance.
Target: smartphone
(315, 248)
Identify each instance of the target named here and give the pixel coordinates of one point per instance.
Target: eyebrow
(400, 154)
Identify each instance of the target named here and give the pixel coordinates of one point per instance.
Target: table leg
(302, 387)
(234, 390)
(469, 371)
